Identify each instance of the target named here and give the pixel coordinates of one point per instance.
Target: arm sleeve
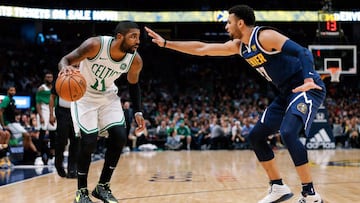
(304, 55)
(135, 96)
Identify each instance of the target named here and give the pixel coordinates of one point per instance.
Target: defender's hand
(308, 85)
(156, 38)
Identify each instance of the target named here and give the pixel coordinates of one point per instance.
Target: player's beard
(48, 82)
(127, 49)
(236, 35)
(11, 95)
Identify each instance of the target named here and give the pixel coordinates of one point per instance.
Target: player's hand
(156, 38)
(52, 119)
(308, 85)
(42, 121)
(68, 70)
(141, 125)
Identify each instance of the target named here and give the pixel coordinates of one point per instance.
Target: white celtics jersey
(101, 71)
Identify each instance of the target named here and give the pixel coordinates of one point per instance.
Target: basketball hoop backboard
(341, 56)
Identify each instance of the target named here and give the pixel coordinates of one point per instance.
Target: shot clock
(328, 26)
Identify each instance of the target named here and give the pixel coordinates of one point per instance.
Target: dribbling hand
(141, 125)
(68, 70)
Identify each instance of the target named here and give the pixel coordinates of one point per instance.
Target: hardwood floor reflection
(199, 176)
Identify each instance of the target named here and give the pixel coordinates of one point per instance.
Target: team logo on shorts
(302, 108)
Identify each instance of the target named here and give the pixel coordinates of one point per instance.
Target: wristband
(138, 113)
(164, 44)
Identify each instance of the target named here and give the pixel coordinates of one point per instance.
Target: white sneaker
(277, 193)
(51, 161)
(38, 161)
(310, 198)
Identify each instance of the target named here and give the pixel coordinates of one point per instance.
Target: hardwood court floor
(199, 176)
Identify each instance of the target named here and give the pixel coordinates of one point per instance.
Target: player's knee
(289, 134)
(290, 137)
(256, 138)
(118, 135)
(88, 141)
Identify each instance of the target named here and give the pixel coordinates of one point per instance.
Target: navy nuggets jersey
(285, 72)
(276, 67)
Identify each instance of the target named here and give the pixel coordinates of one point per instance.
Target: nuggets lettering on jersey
(256, 60)
(274, 66)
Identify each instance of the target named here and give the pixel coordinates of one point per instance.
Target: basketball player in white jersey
(102, 60)
(42, 98)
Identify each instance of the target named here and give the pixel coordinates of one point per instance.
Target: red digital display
(331, 26)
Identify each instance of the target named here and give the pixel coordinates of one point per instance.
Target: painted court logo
(320, 140)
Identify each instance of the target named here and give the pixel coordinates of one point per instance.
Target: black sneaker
(71, 175)
(82, 196)
(61, 172)
(103, 192)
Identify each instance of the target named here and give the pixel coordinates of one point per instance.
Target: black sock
(82, 180)
(106, 175)
(3, 152)
(308, 189)
(277, 182)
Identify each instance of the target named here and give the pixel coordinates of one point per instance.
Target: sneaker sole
(93, 193)
(284, 198)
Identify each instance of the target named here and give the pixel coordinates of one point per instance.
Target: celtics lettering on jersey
(101, 71)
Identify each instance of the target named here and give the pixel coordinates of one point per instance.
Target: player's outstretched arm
(196, 47)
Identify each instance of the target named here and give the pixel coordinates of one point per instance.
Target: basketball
(70, 86)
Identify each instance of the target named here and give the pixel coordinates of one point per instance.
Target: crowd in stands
(189, 103)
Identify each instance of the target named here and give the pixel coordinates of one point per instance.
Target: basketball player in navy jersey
(102, 60)
(290, 68)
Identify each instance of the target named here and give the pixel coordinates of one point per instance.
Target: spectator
(338, 132)
(195, 128)
(247, 127)
(237, 139)
(162, 130)
(353, 133)
(204, 135)
(4, 148)
(183, 132)
(8, 119)
(221, 134)
(173, 141)
(29, 122)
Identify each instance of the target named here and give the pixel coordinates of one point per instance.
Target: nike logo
(77, 198)
(311, 73)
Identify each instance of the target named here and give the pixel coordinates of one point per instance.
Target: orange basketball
(70, 86)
